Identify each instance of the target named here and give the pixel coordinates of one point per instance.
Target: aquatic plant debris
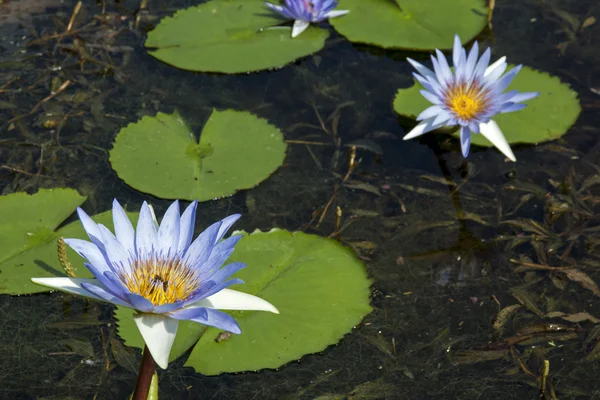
(286, 269)
(305, 12)
(158, 271)
(227, 36)
(469, 96)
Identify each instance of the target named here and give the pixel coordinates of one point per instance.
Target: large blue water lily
(161, 273)
(470, 96)
(305, 12)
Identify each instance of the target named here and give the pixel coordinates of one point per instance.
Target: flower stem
(147, 368)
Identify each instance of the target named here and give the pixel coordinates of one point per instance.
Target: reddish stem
(147, 368)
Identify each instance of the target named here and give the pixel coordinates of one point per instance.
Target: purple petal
(224, 273)
(123, 227)
(104, 295)
(208, 316)
(90, 227)
(465, 141)
(114, 250)
(226, 223)
(200, 249)
(168, 232)
(145, 233)
(186, 227)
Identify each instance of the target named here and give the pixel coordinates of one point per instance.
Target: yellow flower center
(161, 280)
(466, 102)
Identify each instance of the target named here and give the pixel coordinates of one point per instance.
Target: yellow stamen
(467, 102)
(160, 280)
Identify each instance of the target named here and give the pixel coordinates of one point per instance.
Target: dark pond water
(437, 237)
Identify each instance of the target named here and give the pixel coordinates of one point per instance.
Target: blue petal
(429, 112)
(442, 117)
(224, 273)
(140, 303)
(465, 141)
(208, 316)
(493, 76)
(123, 227)
(431, 97)
(503, 82)
(165, 308)
(226, 223)
(168, 232)
(456, 50)
(145, 234)
(511, 107)
(90, 252)
(217, 288)
(444, 68)
(200, 249)
(101, 277)
(471, 61)
(281, 10)
(421, 69)
(209, 288)
(103, 294)
(218, 256)
(90, 227)
(114, 250)
(482, 64)
(186, 227)
(523, 97)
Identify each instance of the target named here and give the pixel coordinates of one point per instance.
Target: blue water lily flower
(161, 273)
(305, 12)
(470, 96)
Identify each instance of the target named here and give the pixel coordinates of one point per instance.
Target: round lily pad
(411, 24)
(546, 117)
(230, 36)
(319, 286)
(160, 155)
(28, 237)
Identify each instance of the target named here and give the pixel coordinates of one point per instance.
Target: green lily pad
(319, 286)
(28, 237)
(411, 24)
(230, 37)
(160, 155)
(546, 117)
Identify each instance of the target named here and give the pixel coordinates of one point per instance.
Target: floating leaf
(230, 37)
(546, 117)
(411, 24)
(320, 287)
(160, 155)
(28, 237)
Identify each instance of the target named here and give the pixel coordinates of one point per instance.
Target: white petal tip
(159, 333)
(491, 131)
(299, 27)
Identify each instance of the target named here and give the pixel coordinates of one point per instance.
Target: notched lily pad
(319, 286)
(161, 156)
(230, 37)
(411, 24)
(546, 117)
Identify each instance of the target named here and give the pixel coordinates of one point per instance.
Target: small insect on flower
(305, 12)
(162, 274)
(470, 96)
